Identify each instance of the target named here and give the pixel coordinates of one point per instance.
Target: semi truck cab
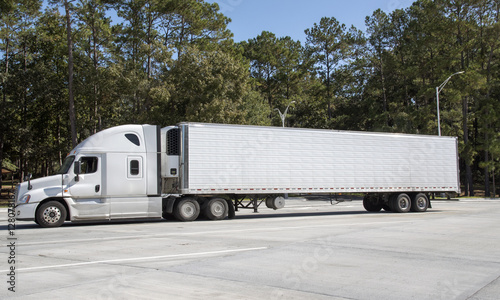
(113, 174)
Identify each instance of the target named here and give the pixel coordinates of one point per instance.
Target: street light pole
(438, 90)
(283, 115)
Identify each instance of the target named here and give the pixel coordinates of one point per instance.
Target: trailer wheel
(401, 203)
(231, 211)
(50, 214)
(187, 209)
(216, 209)
(419, 203)
(372, 203)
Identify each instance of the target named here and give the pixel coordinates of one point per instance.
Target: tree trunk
(486, 136)
(494, 186)
(95, 61)
(384, 90)
(1, 156)
(486, 170)
(72, 110)
(328, 93)
(469, 188)
(181, 38)
(3, 109)
(58, 130)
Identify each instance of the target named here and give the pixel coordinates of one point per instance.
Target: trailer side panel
(261, 160)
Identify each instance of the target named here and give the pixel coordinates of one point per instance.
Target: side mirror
(77, 169)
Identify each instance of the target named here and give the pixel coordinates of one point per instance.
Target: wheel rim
(188, 209)
(421, 202)
(404, 203)
(52, 214)
(217, 208)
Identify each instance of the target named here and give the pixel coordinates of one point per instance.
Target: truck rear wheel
(372, 203)
(51, 214)
(187, 209)
(231, 211)
(216, 209)
(419, 203)
(400, 203)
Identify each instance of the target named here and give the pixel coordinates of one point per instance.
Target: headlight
(25, 199)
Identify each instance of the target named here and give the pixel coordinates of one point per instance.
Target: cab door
(127, 194)
(85, 188)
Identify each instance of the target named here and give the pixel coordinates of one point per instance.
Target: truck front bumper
(26, 212)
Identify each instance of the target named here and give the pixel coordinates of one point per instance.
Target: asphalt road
(308, 250)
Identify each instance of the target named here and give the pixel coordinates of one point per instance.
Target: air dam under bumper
(26, 212)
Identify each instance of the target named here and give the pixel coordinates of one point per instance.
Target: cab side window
(134, 167)
(89, 165)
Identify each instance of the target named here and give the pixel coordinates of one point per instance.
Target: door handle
(97, 188)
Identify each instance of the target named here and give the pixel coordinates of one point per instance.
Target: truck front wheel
(187, 209)
(51, 214)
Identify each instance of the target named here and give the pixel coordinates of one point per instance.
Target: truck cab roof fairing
(115, 139)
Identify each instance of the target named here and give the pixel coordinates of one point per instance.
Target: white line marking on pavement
(138, 259)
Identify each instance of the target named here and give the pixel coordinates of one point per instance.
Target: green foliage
(277, 71)
(208, 87)
(174, 60)
(331, 47)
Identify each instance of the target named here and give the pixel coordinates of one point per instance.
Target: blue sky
(292, 17)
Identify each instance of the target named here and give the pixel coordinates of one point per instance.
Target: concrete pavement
(308, 250)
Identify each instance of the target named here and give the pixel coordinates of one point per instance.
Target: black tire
(419, 203)
(168, 216)
(390, 200)
(51, 214)
(386, 207)
(372, 203)
(231, 211)
(216, 209)
(401, 203)
(269, 202)
(187, 210)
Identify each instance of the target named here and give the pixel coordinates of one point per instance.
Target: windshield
(66, 165)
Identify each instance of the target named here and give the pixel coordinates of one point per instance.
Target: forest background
(67, 71)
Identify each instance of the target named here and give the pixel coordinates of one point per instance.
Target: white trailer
(142, 171)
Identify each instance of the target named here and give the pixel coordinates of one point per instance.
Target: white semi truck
(192, 169)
